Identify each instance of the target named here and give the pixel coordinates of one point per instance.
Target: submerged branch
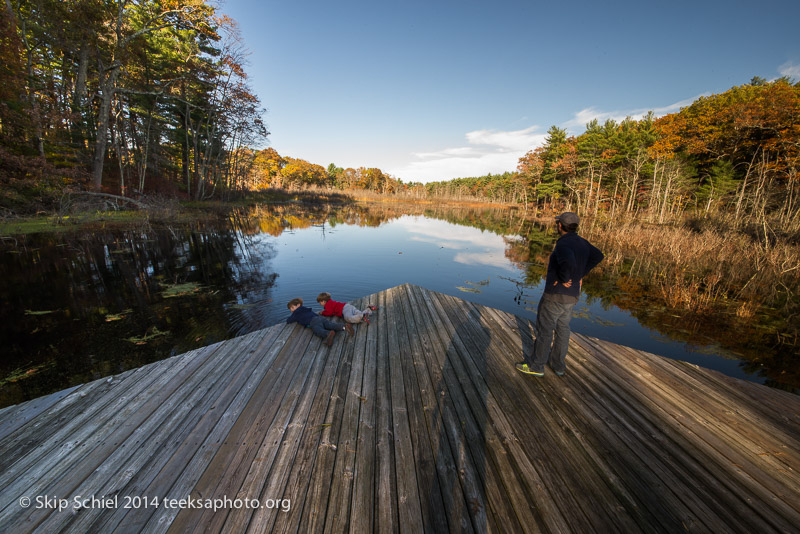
(116, 197)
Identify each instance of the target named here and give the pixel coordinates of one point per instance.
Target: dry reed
(700, 271)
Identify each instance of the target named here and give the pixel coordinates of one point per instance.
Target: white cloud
(449, 235)
(790, 69)
(466, 151)
(577, 124)
(479, 258)
(488, 151)
(497, 151)
(514, 141)
(471, 245)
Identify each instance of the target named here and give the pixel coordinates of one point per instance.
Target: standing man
(572, 258)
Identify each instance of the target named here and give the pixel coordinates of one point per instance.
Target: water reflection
(82, 306)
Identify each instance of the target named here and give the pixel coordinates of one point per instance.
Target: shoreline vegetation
(703, 270)
(690, 281)
(134, 114)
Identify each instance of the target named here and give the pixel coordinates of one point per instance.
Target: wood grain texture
(417, 423)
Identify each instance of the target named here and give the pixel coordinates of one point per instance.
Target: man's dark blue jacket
(571, 260)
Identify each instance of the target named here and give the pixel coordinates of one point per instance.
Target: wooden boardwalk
(418, 423)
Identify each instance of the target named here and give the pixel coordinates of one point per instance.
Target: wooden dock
(418, 423)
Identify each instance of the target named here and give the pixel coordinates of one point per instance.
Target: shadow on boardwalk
(458, 429)
(419, 423)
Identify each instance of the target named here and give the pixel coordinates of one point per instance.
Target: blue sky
(434, 90)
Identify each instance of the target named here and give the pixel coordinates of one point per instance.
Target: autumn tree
(267, 168)
(755, 128)
(301, 173)
(556, 165)
(529, 171)
(153, 87)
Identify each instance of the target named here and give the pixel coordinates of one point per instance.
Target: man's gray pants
(552, 327)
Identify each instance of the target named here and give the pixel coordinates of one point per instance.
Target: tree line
(148, 95)
(123, 96)
(734, 154)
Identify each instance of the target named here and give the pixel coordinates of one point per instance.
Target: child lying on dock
(319, 325)
(345, 310)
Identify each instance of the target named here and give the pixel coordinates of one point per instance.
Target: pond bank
(88, 304)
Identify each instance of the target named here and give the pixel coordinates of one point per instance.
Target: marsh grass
(703, 271)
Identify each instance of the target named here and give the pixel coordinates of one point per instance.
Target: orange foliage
(298, 172)
(737, 125)
(267, 166)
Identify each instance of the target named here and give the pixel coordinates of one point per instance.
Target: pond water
(83, 306)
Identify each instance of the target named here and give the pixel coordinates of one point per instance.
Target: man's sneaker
(523, 368)
(349, 328)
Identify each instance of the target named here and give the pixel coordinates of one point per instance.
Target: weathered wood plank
(451, 492)
(12, 418)
(646, 446)
(709, 445)
(283, 482)
(164, 430)
(314, 430)
(768, 406)
(500, 371)
(178, 478)
(521, 478)
(180, 450)
(567, 470)
(107, 450)
(315, 509)
(91, 443)
(420, 502)
(364, 503)
(633, 470)
(475, 432)
(386, 507)
(341, 495)
(419, 423)
(88, 403)
(268, 464)
(224, 475)
(33, 441)
(735, 422)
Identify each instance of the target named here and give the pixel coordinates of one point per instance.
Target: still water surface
(79, 307)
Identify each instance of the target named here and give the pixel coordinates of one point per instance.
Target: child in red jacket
(344, 310)
(320, 326)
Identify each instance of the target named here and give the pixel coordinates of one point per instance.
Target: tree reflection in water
(81, 306)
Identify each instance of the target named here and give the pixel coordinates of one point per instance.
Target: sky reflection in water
(88, 305)
(350, 261)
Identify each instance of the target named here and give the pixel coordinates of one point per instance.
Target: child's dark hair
(323, 297)
(298, 301)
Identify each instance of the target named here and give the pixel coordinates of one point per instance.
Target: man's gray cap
(568, 218)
